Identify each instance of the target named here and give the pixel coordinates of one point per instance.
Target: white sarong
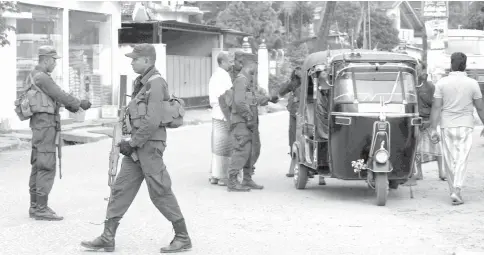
(456, 146)
(221, 149)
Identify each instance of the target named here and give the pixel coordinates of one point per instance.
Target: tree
(256, 18)
(382, 31)
(4, 7)
(475, 19)
(457, 16)
(348, 18)
(294, 16)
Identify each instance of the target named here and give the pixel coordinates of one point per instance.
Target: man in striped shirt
(454, 100)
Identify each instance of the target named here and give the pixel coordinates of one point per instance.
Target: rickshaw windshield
(370, 86)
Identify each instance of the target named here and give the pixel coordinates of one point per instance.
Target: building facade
(85, 35)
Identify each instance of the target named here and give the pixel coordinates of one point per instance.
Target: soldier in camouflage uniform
(244, 126)
(294, 87)
(45, 125)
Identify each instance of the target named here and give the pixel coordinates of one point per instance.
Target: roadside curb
(77, 133)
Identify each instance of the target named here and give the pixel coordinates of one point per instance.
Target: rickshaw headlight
(381, 156)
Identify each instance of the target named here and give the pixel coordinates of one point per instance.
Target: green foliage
(456, 15)
(10, 7)
(346, 15)
(382, 32)
(294, 57)
(295, 14)
(345, 19)
(249, 17)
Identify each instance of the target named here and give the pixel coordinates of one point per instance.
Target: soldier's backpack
(24, 101)
(173, 110)
(225, 102)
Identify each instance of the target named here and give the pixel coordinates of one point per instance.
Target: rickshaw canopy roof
(321, 57)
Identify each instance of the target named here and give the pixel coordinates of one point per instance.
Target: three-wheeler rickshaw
(357, 119)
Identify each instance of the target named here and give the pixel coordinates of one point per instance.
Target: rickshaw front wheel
(300, 174)
(381, 188)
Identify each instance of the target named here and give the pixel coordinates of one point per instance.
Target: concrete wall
(189, 43)
(8, 53)
(8, 118)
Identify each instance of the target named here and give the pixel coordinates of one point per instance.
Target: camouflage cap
(238, 54)
(47, 50)
(142, 50)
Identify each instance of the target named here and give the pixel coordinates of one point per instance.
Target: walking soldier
(148, 140)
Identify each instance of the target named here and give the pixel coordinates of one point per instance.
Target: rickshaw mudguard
(376, 167)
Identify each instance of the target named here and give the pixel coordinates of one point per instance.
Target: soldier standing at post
(244, 126)
(294, 87)
(148, 140)
(45, 124)
(237, 66)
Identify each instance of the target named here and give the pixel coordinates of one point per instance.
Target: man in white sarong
(454, 98)
(221, 145)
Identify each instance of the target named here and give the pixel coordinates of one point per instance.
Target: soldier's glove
(125, 148)
(85, 104)
(73, 110)
(274, 99)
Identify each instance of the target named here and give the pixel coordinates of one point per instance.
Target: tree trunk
(322, 40)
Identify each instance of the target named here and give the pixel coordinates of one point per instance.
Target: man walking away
(148, 140)
(454, 98)
(45, 123)
(221, 146)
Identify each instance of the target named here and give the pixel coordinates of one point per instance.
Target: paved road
(340, 218)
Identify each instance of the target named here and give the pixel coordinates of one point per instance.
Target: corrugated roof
(176, 25)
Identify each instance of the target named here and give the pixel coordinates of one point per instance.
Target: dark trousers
(292, 130)
(246, 149)
(43, 161)
(151, 168)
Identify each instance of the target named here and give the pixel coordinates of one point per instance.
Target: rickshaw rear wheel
(381, 188)
(300, 174)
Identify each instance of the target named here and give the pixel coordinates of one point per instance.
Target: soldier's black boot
(234, 185)
(106, 240)
(248, 182)
(33, 205)
(43, 212)
(181, 241)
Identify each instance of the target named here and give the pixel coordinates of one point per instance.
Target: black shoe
(181, 241)
(106, 240)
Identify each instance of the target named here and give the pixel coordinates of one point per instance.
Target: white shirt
(458, 92)
(218, 84)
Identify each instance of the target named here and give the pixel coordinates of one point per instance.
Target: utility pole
(369, 27)
(322, 40)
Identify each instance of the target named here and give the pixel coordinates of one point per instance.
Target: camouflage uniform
(245, 130)
(45, 123)
(148, 139)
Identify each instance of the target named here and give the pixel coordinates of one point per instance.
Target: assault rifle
(58, 140)
(114, 155)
